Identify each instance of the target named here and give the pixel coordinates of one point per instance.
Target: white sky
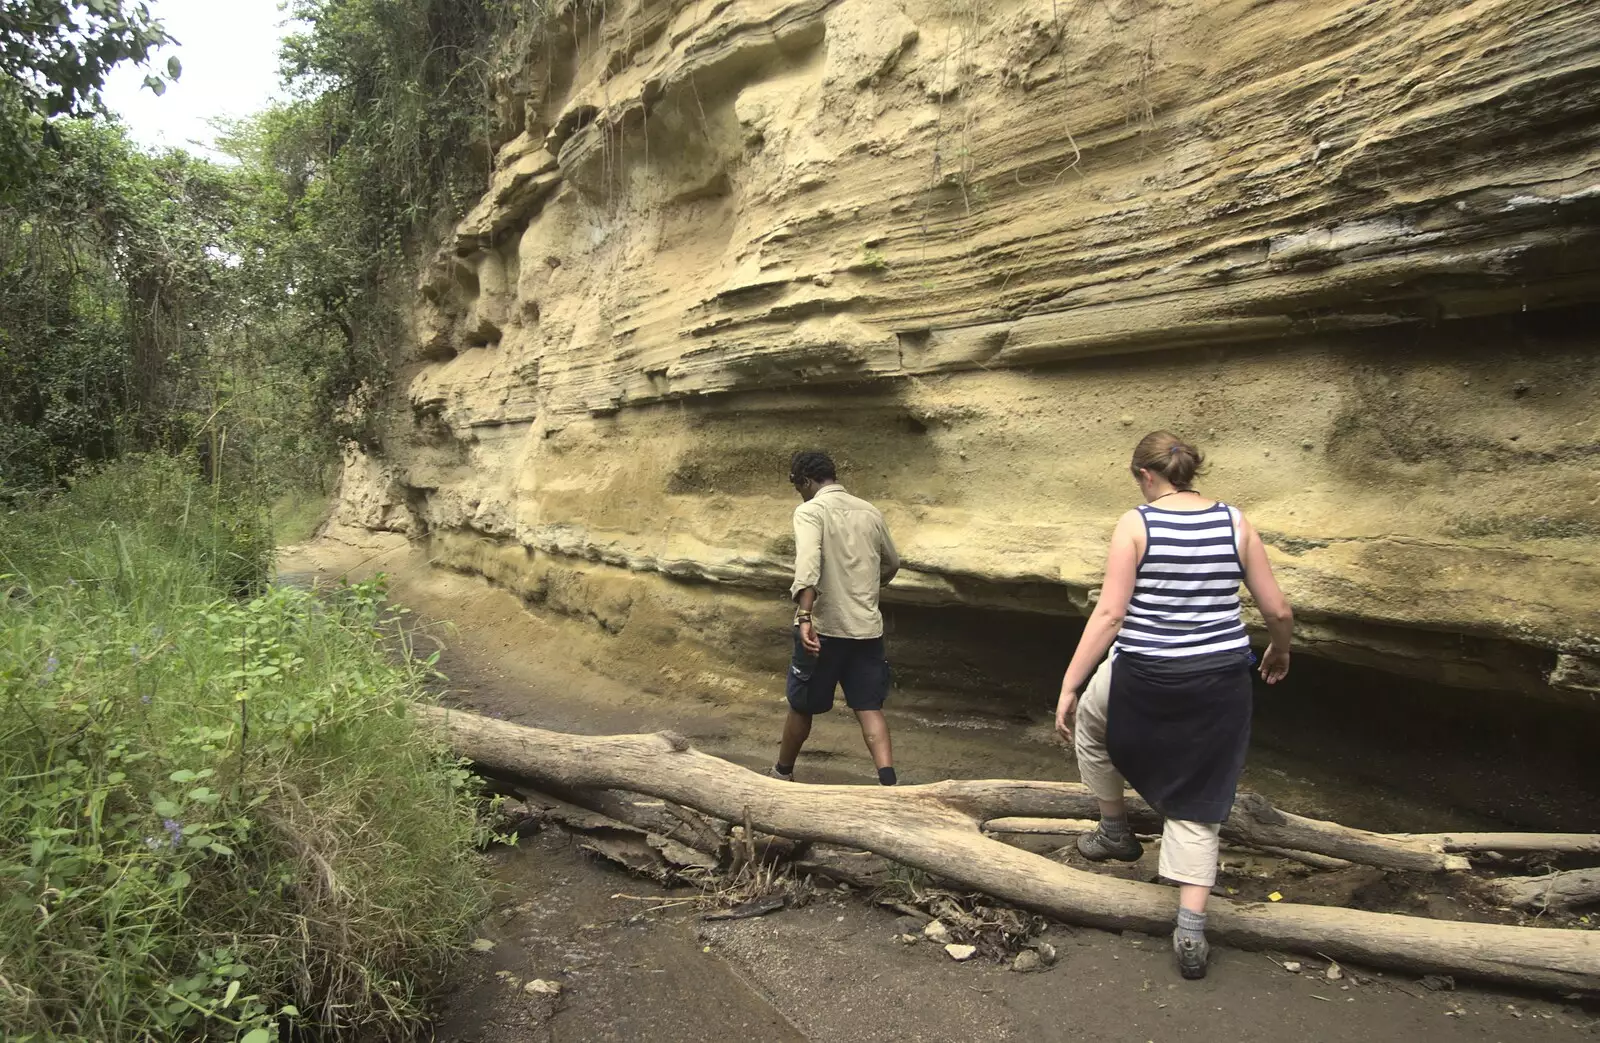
(229, 51)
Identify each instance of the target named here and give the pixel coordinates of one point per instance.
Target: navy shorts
(858, 665)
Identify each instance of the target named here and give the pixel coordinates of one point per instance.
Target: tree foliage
(253, 308)
(119, 317)
(385, 143)
(186, 742)
(54, 59)
(58, 52)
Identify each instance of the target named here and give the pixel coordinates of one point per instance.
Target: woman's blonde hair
(1164, 453)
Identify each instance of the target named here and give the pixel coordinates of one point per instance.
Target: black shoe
(1097, 847)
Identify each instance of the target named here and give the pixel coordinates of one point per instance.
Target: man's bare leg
(796, 729)
(875, 729)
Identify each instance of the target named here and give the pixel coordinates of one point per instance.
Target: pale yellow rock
(977, 250)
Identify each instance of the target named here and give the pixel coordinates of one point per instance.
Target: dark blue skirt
(1178, 729)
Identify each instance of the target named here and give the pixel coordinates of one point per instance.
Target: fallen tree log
(1563, 890)
(1254, 822)
(1310, 858)
(1068, 826)
(1044, 826)
(1510, 843)
(637, 848)
(936, 829)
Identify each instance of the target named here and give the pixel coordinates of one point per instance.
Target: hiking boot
(1192, 955)
(774, 773)
(1097, 847)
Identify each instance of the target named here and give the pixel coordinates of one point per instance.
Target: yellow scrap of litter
(1276, 896)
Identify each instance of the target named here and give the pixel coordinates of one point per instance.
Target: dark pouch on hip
(802, 664)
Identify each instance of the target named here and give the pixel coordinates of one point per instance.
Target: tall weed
(217, 817)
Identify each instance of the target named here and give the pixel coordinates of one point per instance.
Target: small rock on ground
(1027, 960)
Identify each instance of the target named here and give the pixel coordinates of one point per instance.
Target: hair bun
(1164, 453)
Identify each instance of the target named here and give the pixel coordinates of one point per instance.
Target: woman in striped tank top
(1169, 711)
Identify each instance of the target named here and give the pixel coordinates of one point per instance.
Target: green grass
(296, 515)
(217, 817)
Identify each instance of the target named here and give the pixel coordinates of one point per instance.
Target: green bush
(217, 816)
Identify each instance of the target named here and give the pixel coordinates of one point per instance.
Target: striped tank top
(1186, 591)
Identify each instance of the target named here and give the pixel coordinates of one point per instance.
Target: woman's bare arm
(1274, 607)
(1116, 590)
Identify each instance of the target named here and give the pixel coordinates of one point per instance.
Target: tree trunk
(1511, 843)
(1315, 861)
(1254, 822)
(1066, 826)
(1551, 891)
(1051, 827)
(936, 829)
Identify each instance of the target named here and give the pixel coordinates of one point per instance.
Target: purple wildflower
(174, 830)
(50, 666)
(145, 699)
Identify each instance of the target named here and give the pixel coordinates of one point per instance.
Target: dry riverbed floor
(630, 968)
(582, 951)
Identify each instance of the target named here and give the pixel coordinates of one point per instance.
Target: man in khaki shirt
(843, 555)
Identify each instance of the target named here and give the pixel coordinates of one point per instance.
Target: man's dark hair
(814, 465)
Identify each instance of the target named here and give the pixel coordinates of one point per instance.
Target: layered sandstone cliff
(976, 249)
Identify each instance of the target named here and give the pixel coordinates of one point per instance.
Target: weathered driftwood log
(936, 829)
(1254, 822)
(1564, 890)
(640, 848)
(1310, 858)
(1043, 826)
(1510, 843)
(1067, 826)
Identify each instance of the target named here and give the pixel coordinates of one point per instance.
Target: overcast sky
(229, 51)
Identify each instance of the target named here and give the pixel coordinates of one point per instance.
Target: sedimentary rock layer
(976, 250)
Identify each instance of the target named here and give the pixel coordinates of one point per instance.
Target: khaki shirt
(842, 548)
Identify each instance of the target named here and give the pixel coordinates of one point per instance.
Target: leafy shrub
(217, 816)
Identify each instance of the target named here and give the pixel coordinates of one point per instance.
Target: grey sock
(1115, 828)
(1191, 925)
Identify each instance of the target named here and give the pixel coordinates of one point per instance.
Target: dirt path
(833, 970)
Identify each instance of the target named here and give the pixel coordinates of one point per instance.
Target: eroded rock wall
(976, 249)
